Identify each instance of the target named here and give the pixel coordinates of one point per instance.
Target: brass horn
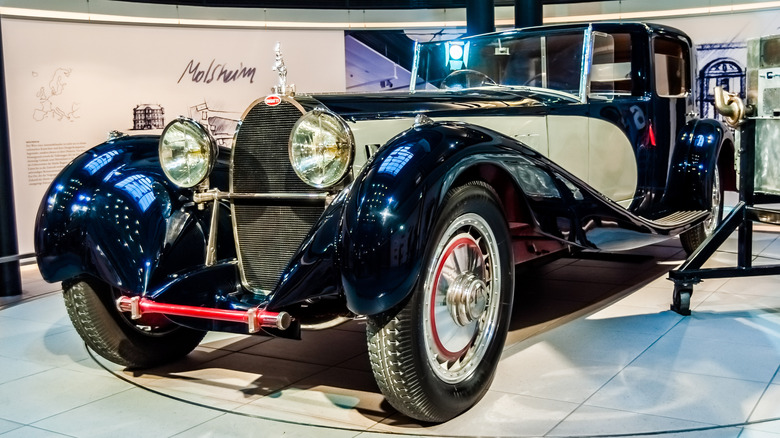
(730, 106)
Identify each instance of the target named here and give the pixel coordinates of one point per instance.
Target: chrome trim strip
(415, 62)
(216, 194)
(587, 62)
(211, 246)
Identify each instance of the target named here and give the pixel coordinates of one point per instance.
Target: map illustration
(52, 104)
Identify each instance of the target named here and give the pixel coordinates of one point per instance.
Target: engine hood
(484, 101)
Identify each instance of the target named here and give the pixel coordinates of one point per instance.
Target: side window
(672, 67)
(611, 73)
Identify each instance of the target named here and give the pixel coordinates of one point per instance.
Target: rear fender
(694, 160)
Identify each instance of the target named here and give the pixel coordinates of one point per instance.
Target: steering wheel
(466, 78)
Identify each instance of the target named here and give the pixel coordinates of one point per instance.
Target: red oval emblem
(273, 100)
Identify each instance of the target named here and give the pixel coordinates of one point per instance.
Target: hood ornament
(279, 67)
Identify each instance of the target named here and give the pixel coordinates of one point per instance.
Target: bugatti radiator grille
(267, 236)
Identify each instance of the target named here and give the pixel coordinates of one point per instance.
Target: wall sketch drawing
(221, 124)
(51, 102)
(721, 67)
(148, 116)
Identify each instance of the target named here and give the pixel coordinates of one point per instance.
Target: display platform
(593, 350)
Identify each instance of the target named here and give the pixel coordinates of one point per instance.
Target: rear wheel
(694, 237)
(137, 344)
(435, 356)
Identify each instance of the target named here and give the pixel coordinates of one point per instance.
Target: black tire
(111, 334)
(407, 349)
(694, 237)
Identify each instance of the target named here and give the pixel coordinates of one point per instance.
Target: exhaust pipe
(255, 318)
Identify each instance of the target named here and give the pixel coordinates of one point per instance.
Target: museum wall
(70, 83)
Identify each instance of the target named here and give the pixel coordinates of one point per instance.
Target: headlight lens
(321, 148)
(187, 152)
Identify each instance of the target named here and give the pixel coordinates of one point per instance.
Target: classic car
(410, 210)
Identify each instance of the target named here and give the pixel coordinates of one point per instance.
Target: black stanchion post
(10, 276)
(528, 13)
(480, 16)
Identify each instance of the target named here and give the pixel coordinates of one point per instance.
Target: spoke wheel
(435, 356)
(151, 341)
(694, 237)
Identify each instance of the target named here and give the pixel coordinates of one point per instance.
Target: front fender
(694, 160)
(390, 212)
(112, 213)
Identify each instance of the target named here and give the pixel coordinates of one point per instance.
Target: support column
(480, 16)
(10, 275)
(528, 13)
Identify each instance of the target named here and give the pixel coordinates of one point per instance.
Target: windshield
(552, 59)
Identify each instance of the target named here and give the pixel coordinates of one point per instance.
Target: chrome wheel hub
(467, 298)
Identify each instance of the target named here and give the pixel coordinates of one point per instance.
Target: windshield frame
(586, 60)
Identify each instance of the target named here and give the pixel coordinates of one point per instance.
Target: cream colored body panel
(593, 150)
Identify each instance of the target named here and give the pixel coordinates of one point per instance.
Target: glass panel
(611, 73)
(529, 59)
(672, 72)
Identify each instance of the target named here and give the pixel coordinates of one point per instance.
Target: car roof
(607, 26)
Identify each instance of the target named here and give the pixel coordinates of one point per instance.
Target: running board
(255, 318)
(678, 218)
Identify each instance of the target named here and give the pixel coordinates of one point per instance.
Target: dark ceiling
(340, 4)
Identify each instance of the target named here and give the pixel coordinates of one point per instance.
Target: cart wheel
(135, 344)
(681, 299)
(694, 237)
(435, 356)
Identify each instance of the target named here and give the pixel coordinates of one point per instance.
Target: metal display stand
(741, 218)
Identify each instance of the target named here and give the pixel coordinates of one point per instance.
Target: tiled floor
(593, 350)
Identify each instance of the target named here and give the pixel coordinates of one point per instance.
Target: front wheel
(435, 356)
(110, 333)
(694, 237)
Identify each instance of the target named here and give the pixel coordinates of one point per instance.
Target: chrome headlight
(187, 152)
(321, 148)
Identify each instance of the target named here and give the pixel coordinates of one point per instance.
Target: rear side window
(672, 67)
(611, 73)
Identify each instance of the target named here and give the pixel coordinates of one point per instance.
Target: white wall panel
(70, 83)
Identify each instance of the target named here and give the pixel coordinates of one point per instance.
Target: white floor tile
(496, 415)
(7, 426)
(762, 241)
(53, 392)
(589, 420)
(630, 319)
(32, 432)
(693, 397)
(752, 433)
(755, 327)
(592, 340)
(236, 377)
(153, 414)
(234, 425)
(13, 369)
(344, 396)
(13, 327)
(53, 348)
(763, 285)
(768, 408)
(541, 371)
(48, 310)
(711, 357)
